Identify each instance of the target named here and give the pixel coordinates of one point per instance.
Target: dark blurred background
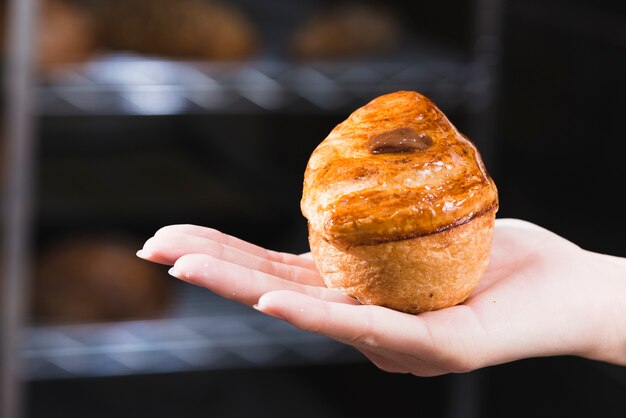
(153, 112)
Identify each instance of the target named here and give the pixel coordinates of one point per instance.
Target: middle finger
(166, 249)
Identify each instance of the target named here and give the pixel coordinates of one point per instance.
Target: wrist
(610, 344)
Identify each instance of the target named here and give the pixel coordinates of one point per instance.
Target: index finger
(231, 241)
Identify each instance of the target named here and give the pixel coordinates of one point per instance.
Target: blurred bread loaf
(346, 30)
(65, 34)
(200, 29)
(87, 278)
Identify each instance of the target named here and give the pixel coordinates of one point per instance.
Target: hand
(541, 296)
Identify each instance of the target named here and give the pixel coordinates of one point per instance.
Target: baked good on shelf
(346, 30)
(188, 29)
(92, 278)
(400, 207)
(65, 34)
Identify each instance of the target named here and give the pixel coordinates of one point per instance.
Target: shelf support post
(17, 198)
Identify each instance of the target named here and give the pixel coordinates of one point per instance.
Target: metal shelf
(136, 85)
(204, 332)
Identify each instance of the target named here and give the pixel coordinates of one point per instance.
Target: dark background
(557, 160)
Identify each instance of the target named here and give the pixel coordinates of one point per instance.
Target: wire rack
(133, 85)
(202, 332)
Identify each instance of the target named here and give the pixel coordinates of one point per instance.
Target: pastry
(346, 30)
(92, 278)
(187, 29)
(65, 34)
(400, 207)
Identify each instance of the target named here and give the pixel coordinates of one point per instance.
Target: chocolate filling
(397, 141)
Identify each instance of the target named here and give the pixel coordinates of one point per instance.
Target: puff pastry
(400, 206)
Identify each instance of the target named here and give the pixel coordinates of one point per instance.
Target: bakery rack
(201, 331)
(134, 85)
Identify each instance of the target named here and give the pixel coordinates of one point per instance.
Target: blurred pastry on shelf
(95, 278)
(65, 34)
(346, 31)
(185, 29)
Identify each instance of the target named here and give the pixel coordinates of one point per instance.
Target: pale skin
(541, 296)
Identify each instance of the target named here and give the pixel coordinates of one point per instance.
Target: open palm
(541, 295)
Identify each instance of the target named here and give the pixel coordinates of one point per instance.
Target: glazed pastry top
(395, 169)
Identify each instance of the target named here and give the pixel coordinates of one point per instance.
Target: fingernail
(174, 272)
(261, 308)
(257, 307)
(143, 254)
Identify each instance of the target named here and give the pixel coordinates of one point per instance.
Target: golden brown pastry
(96, 277)
(400, 206)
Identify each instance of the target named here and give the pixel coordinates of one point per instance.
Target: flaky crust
(413, 275)
(406, 222)
(353, 197)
